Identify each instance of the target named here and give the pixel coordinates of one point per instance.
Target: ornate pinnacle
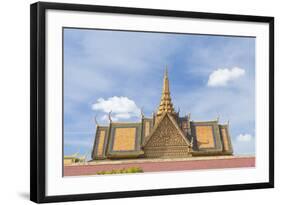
(166, 104)
(166, 72)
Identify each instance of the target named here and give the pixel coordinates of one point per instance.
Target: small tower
(166, 105)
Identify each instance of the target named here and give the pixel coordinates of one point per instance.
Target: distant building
(164, 135)
(68, 160)
(72, 159)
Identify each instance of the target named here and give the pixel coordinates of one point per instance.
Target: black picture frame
(38, 100)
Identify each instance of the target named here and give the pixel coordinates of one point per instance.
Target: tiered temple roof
(164, 135)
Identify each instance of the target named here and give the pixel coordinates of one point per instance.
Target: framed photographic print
(129, 102)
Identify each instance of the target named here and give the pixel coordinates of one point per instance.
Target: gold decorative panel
(205, 138)
(225, 139)
(124, 139)
(147, 128)
(101, 142)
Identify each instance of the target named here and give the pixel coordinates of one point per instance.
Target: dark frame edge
(271, 101)
(33, 104)
(37, 102)
(153, 12)
(156, 192)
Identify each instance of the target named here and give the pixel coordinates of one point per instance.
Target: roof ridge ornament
(109, 116)
(96, 121)
(142, 114)
(218, 118)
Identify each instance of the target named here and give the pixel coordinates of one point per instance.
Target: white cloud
(105, 118)
(244, 138)
(121, 107)
(244, 144)
(222, 76)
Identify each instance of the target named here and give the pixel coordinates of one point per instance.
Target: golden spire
(166, 104)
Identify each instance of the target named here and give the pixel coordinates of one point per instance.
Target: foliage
(122, 171)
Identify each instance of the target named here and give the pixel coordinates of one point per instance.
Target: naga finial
(191, 142)
(142, 114)
(96, 121)
(109, 116)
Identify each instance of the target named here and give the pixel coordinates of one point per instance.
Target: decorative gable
(166, 134)
(167, 140)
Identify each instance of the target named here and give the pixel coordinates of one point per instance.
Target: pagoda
(164, 135)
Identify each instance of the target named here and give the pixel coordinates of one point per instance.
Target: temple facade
(164, 135)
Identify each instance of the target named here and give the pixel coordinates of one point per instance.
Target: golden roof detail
(166, 104)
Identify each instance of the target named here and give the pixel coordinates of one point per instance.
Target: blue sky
(122, 71)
